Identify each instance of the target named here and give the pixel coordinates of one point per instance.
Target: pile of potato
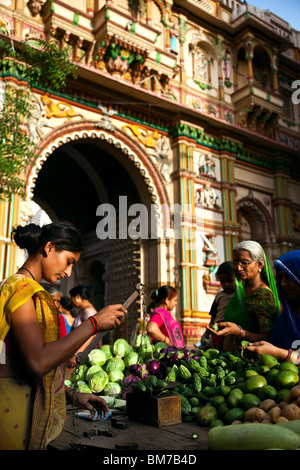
(269, 412)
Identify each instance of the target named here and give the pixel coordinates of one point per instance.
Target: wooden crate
(158, 411)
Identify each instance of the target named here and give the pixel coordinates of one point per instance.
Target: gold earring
(259, 270)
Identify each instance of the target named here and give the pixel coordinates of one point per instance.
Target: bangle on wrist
(292, 356)
(287, 359)
(95, 324)
(241, 332)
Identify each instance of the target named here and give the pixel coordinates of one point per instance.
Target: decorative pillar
(149, 12)
(9, 218)
(188, 257)
(90, 7)
(235, 79)
(230, 221)
(220, 71)
(249, 58)
(282, 207)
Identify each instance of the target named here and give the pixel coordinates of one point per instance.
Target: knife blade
(79, 357)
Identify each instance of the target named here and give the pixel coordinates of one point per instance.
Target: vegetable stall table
(123, 433)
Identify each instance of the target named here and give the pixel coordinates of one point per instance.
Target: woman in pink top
(162, 326)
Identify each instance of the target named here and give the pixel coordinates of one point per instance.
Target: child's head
(226, 276)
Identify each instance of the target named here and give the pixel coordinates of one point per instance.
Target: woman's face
(56, 299)
(171, 303)
(58, 264)
(244, 265)
(291, 288)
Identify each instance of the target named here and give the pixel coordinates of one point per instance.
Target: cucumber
(252, 436)
(293, 425)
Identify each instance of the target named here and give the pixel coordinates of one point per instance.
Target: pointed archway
(77, 171)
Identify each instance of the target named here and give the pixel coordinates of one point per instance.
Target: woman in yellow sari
(31, 378)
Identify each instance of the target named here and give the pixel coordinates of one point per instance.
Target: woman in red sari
(162, 326)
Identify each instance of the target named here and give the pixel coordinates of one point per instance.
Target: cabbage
(97, 357)
(81, 372)
(107, 349)
(141, 339)
(146, 351)
(119, 404)
(160, 345)
(91, 371)
(98, 381)
(109, 400)
(112, 389)
(131, 358)
(121, 347)
(69, 383)
(115, 375)
(83, 387)
(115, 363)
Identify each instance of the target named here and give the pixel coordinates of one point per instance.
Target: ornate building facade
(182, 125)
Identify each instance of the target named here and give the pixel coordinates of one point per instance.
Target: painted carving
(34, 6)
(201, 65)
(5, 25)
(36, 120)
(207, 166)
(146, 137)
(210, 254)
(105, 122)
(58, 110)
(206, 196)
(153, 140)
(227, 66)
(162, 156)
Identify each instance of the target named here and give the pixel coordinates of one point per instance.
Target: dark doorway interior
(67, 187)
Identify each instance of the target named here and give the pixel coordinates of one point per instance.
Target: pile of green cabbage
(104, 369)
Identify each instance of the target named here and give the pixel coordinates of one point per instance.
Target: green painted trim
(191, 244)
(226, 245)
(232, 206)
(182, 200)
(183, 244)
(193, 288)
(76, 18)
(184, 297)
(190, 192)
(8, 254)
(225, 205)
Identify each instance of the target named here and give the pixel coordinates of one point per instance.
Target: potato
(267, 404)
(274, 413)
(282, 404)
(288, 398)
(291, 412)
(267, 421)
(259, 415)
(281, 419)
(236, 422)
(297, 401)
(295, 392)
(249, 414)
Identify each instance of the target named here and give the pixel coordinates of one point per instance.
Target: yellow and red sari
(30, 415)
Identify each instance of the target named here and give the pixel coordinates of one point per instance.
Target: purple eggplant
(154, 367)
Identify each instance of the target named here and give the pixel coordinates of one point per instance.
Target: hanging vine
(46, 67)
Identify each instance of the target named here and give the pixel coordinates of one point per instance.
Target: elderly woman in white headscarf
(253, 311)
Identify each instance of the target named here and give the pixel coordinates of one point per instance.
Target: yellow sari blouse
(49, 405)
